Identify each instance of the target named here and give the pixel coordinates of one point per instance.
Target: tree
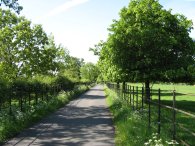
(57, 56)
(148, 42)
(89, 72)
(72, 67)
(23, 49)
(12, 4)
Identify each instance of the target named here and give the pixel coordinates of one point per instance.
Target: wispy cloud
(190, 0)
(64, 7)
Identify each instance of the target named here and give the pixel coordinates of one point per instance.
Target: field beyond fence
(164, 115)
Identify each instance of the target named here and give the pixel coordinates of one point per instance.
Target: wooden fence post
(136, 98)
(142, 99)
(149, 107)
(130, 96)
(159, 111)
(10, 101)
(133, 97)
(21, 100)
(174, 116)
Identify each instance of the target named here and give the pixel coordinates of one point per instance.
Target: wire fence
(179, 124)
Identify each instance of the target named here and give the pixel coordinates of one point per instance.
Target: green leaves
(23, 49)
(12, 4)
(89, 72)
(147, 41)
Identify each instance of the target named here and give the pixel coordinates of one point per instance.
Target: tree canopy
(27, 51)
(148, 43)
(89, 72)
(12, 4)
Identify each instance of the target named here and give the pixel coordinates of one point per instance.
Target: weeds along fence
(162, 118)
(21, 98)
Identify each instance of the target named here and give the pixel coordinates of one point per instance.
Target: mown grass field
(185, 95)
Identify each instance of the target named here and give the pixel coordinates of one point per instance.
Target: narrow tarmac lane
(85, 121)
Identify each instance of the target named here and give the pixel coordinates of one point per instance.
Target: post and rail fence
(135, 98)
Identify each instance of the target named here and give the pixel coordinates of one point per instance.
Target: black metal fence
(21, 99)
(136, 98)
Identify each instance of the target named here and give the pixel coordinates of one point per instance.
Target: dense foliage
(148, 43)
(89, 72)
(26, 51)
(30, 60)
(33, 71)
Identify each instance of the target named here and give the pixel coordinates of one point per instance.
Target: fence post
(174, 116)
(21, 100)
(29, 95)
(149, 107)
(136, 98)
(159, 111)
(126, 97)
(133, 97)
(118, 89)
(36, 96)
(47, 92)
(130, 96)
(10, 101)
(0, 104)
(123, 91)
(42, 92)
(142, 99)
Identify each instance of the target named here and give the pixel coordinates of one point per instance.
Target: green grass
(184, 92)
(185, 100)
(131, 127)
(18, 121)
(185, 95)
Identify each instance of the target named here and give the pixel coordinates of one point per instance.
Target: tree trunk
(147, 90)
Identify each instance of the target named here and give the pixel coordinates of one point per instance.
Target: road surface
(85, 121)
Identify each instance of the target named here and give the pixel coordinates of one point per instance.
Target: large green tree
(149, 43)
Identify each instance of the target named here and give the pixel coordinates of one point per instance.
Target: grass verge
(18, 121)
(132, 126)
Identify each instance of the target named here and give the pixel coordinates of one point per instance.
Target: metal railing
(136, 98)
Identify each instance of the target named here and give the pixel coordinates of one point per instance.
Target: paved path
(83, 122)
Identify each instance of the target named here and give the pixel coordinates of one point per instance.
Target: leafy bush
(64, 83)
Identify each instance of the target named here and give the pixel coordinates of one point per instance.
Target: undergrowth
(131, 127)
(10, 125)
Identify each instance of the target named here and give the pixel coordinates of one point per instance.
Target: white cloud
(64, 7)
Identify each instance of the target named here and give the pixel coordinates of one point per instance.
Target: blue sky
(80, 24)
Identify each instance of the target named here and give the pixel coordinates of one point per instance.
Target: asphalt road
(85, 121)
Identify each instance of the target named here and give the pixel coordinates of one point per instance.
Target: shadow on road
(78, 127)
(84, 122)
